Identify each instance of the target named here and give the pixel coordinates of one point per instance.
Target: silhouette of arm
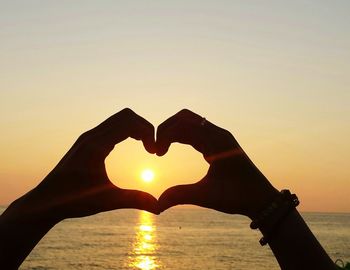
(295, 246)
(78, 186)
(19, 233)
(234, 185)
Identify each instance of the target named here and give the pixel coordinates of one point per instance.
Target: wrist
(262, 197)
(271, 218)
(30, 209)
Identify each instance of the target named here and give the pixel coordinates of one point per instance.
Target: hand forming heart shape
(79, 186)
(232, 185)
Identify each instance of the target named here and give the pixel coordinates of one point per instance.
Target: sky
(276, 74)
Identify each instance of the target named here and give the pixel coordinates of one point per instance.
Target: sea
(179, 238)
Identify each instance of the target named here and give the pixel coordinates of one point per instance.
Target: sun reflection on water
(143, 255)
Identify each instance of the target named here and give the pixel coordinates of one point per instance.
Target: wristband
(270, 218)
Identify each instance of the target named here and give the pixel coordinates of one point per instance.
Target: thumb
(128, 198)
(181, 194)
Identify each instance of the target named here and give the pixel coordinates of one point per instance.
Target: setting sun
(147, 175)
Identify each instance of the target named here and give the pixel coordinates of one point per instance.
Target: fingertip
(166, 200)
(151, 204)
(148, 203)
(150, 146)
(164, 206)
(161, 149)
(157, 211)
(149, 141)
(139, 200)
(181, 194)
(160, 153)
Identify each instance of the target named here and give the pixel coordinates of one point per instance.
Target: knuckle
(184, 112)
(224, 137)
(127, 112)
(228, 135)
(231, 140)
(120, 117)
(84, 136)
(186, 116)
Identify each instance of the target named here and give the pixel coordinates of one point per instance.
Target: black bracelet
(270, 218)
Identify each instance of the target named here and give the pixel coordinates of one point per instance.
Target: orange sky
(277, 76)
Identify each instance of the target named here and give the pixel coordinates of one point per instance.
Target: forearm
(295, 246)
(290, 239)
(20, 231)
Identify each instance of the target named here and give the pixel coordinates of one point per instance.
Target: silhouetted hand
(79, 186)
(232, 185)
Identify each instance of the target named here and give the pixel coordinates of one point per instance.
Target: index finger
(119, 127)
(189, 128)
(181, 127)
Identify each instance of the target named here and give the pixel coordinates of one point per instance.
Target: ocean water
(180, 238)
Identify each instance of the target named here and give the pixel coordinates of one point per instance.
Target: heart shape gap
(180, 165)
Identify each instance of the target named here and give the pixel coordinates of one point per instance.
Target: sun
(147, 175)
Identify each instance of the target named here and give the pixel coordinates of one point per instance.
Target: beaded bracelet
(270, 218)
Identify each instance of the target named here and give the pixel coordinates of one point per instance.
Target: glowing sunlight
(147, 175)
(144, 247)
